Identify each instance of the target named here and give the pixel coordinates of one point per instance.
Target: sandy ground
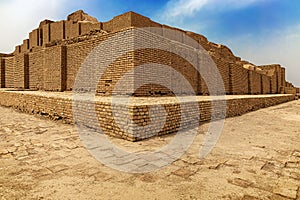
(257, 157)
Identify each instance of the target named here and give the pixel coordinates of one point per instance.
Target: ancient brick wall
(118, 23)
(57, 30)
(36, 70)
(274, 83)
(86, 27)
(290, 90)
(224, 69)
(25, 46)
(34, 38)
(76, 54)
(279, 79)
(2, 72)
(55, 68)
(239, 79)
(255, 82)
(58, 106)
(72, 29)
(266, 84)
(46, 34)
(9, 71)
(283, 81)
(21, 71)
(32, 65)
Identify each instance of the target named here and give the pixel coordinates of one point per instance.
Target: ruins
(50, 59)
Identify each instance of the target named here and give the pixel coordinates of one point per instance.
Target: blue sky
(260, 31)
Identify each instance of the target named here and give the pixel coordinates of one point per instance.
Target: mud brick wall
(255, 82)
(283, 82)
(224, 70)
(86, 27)
(76, 54)
(34, 38)
(25, 46)
(55, 68)
(46, 34)
(54, 107)
(203, 87)
(36, 70)
(141, 21)
(57, 30)
(279, 79)
(72, 29)
(9, 71)
(118, 23)
(163, 57)
(266, 84)
(21, 71)
(60, 107)
(238, 79)
(290, 90)
(114, 72)
(235, 107)
(2, 72)
(127, 20)
(274, 83)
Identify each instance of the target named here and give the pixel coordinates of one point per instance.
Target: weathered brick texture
(2, 72)
(239, 79)
(51, 57)
(59, 106)
(55, 68)
(9, 71)
(36, 70)
(21, 71)
(34, 38)
(57, 31)
(72, 29)
(255, 82)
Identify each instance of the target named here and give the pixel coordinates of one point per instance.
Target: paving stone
(58, 168)
(287, 188)
(3, 151)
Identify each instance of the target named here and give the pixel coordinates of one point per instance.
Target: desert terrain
(256, 157)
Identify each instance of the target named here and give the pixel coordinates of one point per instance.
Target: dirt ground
(257, 157)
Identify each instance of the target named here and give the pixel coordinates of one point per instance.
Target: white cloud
(19, 17)
(183, 8)
(177, 8)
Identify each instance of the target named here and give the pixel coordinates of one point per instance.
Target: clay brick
(57, 31)
(255, 82)
(72, 29)
(238, 79)
(2, 72)
(60, 106)
(25, 46)
(70, 42)
(36, 67)
(46, 34)
(21, 71)
(9, 71)
(34, 38)
(86, 27)
(55, 68)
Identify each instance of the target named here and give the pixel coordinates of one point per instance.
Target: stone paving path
(257, 157)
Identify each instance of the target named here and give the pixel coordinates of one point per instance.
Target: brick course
(81, 33)
(59, 106)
